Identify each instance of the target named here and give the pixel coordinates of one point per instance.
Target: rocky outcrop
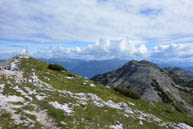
(12, 63)
(147, 80)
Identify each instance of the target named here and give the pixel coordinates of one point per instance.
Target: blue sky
(36, 46)
(98, 29)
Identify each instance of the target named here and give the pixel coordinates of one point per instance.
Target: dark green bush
(70, 74)
(165, 98)
(56, 67)
(127, 93)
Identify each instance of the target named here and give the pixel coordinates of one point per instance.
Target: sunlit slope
(33, 96)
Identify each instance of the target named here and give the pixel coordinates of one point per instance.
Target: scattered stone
(64, 107)
(43, 119)
(126, 115)
(6, 104)
(108, 87)
(23, 93)
(131, 103)
(120, 126)
(92, 85)
(83, 103)
(183, 126)
(2, 87)
(63, 123)
(47, 78)
(39, 97)
(70, 78)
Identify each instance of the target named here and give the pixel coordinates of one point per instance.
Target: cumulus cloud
(122, 48)
(102, 49)
(108, 49)
(181, 52)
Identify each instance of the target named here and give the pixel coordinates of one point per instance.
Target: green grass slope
(65, 90)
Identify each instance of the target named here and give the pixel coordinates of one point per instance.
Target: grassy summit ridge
(54, 99)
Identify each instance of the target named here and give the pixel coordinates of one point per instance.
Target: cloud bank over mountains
(107, 49)
(178, 52)
(102, 49)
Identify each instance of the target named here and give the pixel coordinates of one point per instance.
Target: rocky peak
(138, 64)
(147, 80)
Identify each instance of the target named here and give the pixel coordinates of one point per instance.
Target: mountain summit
(151, 83)
(33, 96)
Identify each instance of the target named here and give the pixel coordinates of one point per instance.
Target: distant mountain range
(170, 85)
(87, 68)
(188, 68)
(184, 65)
(94, 67)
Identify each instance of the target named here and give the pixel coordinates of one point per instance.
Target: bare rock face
(10, 67)
(147, 80)
(12, 63)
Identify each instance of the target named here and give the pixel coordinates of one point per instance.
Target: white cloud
(107, 49)
(83, 20)
(182, 52)
(125, 27)
(102, 49)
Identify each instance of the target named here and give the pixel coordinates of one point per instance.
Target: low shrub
(165, 98)
(56, 67)
(70, 74)
(127, 93)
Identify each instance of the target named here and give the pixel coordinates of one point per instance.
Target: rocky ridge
(150, 82)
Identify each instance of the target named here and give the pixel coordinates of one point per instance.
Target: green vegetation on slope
(89, 116)
(127, 93)
(56, 67)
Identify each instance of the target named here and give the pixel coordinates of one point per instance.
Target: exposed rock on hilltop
(141, 77)
(149, 81)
